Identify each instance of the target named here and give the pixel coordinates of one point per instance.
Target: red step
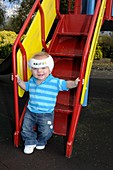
(68, 54)
(66, 46)
(72, 34)
(69, 38)
(61, 119)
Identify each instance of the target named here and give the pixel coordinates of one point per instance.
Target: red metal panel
(75, 24)
(60, 123)
(108, 12)
(64, 68)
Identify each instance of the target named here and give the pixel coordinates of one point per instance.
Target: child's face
(41, 73)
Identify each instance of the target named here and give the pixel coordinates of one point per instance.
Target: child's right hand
(18, 78)
(19, 81)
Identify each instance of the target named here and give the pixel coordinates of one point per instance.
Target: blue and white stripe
(43, 96)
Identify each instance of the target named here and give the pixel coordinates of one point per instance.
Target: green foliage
(16, 21)
(7, 39)
(98, 53)
(106, 43)
(63, 7)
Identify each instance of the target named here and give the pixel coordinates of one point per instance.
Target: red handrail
(57, 9)
(77, 6)
(18, 44)
(77, 105)
(42, 27)
(108, 12)
(24, 61)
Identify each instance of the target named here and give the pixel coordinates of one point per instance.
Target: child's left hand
(78, 80)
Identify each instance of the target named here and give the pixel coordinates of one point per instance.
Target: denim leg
(28, 134)
(45, 128)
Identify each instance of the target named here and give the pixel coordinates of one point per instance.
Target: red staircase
(67, 48)
(70, 46)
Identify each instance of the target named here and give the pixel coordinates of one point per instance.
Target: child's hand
(82, 81)
(18, 78)
(20, 82)
(12, 77)
(72, 84)
(77, 81)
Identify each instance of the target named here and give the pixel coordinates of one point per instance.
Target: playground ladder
(67, 48)
(70, 46)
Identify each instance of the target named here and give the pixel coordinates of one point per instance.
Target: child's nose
(39, 69)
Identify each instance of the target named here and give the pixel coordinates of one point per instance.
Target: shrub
(98, 53)
(7, 39)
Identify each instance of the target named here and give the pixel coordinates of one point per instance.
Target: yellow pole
(93, 48)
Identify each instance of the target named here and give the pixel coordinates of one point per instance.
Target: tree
(17, 20)
(2, 15)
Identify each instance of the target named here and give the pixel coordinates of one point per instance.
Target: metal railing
(18, 45)
(93, 48)
(77, 105)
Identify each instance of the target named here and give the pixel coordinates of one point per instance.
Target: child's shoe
(40, 147)
(29, 149)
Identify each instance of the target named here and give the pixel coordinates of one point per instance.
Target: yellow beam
(32, 43)
(93, 48)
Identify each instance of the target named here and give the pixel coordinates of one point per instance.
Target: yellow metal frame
(92, 49)
(32, 43)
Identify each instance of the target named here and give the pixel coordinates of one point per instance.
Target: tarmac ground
(93, 145)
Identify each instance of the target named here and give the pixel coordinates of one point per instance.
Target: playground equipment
(72, 47)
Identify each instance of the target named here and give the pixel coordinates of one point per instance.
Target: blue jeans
(44, 130)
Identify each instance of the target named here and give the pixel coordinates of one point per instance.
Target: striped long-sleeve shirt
(43, 97)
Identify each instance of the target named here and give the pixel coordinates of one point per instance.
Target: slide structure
(33, 41)
(72, 47)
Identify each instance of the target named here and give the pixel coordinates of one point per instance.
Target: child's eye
(43, 67)
(34, 68)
